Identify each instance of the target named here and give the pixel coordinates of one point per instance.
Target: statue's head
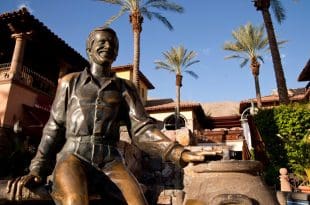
(102, 44)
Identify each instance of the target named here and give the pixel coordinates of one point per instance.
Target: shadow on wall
(15, 152)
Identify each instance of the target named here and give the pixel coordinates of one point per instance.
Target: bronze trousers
(71, 181)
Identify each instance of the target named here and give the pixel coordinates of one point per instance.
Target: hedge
(285, 131)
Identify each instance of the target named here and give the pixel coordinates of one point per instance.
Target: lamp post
(245, 125)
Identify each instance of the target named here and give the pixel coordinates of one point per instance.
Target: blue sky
(203, 27)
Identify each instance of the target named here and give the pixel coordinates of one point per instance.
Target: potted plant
(305, 186)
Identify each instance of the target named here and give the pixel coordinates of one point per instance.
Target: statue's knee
(76, 199)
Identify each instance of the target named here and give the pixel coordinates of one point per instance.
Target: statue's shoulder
(69, 77)
(128, 87)
(127, 83)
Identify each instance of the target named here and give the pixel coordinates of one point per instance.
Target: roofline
(24, 12)
(295, 98)
(276, 97)
(305, 73)
(171, 107)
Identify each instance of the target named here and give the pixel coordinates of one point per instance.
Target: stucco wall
(124, 75)
(143, 92)
(127, 75)
(4, 93)
(187, 114)
(18, 96)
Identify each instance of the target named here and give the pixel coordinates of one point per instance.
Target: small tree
(178, 60)
(137, 9)
(249, 42)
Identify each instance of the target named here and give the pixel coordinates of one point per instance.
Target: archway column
(18, 54)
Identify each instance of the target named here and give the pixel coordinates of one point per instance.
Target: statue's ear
(88, 53)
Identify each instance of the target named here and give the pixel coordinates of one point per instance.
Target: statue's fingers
(9, 186)
(13, 189)
(19, 188)
(192, 157)
(198, 158)
(27, 181)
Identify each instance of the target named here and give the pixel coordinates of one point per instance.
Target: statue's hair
(91, 36)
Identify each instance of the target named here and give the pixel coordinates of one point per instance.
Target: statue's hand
(188, 156)
(15, 186)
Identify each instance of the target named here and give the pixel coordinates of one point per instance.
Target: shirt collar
(86, 76)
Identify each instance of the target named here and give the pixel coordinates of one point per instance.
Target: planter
(304, 189)
(226, 182)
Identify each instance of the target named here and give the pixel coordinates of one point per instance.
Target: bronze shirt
(85, 108)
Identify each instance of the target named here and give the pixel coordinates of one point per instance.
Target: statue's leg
(126, 182)
(70, 182)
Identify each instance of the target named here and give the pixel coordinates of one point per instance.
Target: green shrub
(283, 130)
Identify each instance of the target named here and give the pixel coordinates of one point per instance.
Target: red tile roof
(184, 106)
(295, 95)
(22, 21)
(154, 102)
(170, 106)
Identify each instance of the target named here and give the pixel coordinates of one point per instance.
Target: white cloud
(206, 51)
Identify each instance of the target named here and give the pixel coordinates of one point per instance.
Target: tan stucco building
(32, 60)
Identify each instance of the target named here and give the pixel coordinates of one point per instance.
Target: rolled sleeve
(145, 134)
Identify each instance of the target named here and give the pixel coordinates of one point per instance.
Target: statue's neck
(100, 71)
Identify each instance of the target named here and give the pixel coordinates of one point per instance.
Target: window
(169, 122)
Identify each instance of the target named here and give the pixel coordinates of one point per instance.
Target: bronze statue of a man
(83, 130)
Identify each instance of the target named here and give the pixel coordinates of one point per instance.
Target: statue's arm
(148, 137)
(51, 139)
(53, 133)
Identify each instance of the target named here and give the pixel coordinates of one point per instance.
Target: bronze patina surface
(83, 130)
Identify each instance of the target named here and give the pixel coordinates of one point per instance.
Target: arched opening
(169, 122)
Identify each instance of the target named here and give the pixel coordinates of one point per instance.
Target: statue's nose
(107, 44)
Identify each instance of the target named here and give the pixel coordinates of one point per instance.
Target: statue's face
(104, 48)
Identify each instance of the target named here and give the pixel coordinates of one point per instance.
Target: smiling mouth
(103, 51)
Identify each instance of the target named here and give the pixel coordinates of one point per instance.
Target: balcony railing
(29, 78)
(4, 71)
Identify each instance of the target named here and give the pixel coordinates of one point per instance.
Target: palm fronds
(178, 60)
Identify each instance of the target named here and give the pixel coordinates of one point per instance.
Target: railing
(4, 71)
(29, 78)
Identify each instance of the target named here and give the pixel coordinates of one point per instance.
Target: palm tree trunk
(136, 20)
(136, 58)
(255, 65)
(178, 83)
(257, 90)
(278, 69)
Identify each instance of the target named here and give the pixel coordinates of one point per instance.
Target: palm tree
(263, 6)
(249, 41)
(137, 9)
(178, 60)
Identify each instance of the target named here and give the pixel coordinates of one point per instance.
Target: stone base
(41, 196)
(227, 182)
(171, 197)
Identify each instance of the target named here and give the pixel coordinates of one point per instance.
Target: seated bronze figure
(83, 130)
